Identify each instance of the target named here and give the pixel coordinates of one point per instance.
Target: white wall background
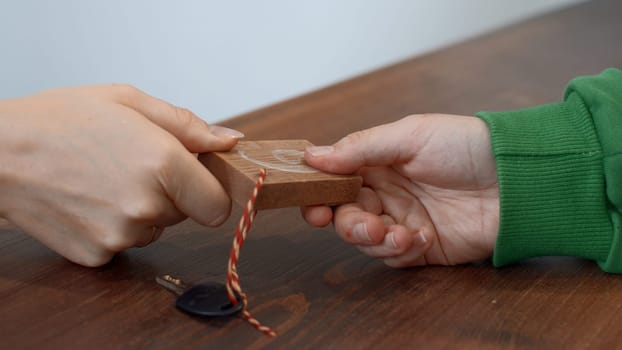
(221, 58)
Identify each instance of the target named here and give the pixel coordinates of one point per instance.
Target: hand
(91, 171)
(429, 195)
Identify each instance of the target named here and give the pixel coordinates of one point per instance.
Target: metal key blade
(171, 283)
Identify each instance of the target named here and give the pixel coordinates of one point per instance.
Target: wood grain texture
(318, 292)
(289, 181)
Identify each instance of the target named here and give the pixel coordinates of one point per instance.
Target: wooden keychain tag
(290, 182)
(275, 175)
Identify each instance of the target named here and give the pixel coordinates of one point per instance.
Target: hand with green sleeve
(441, 189)
(429, 194)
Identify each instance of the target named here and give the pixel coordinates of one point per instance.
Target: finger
(396, 242)
(387, 219)
(318, 216)
(369, 201)
(195, 191)
(51, 229)
(194, 133)
(170, 216)
(415, 255)
(321, 216)
(382, 145)
(150, 235)
(355, 225)
(154, 208)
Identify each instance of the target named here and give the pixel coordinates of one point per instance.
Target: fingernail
(317, 151)
(360, 232)
(391, 239)
(420, 239)
(222, 131)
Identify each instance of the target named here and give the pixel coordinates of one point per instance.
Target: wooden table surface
(317, 291)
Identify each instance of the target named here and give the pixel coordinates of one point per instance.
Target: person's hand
(91, 171)
(429, 193)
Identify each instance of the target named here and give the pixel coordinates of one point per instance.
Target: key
(205, 299)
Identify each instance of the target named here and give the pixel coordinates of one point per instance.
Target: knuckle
(183, 116)
(126, 93)
(354, 138)
(189, 126)
(125, 89)
(185, 119)
(164, 162)
(113, 241)
(95, 259)
(139, 210)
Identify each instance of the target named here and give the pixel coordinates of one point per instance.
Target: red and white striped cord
(233, 280)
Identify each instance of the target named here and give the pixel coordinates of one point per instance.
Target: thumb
(194, 133)
(382, 145)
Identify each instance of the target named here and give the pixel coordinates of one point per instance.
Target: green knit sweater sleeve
(559, 168)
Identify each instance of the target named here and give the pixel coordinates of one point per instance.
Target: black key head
(208, 299)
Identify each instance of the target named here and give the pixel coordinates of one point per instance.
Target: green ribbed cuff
(551, 183)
